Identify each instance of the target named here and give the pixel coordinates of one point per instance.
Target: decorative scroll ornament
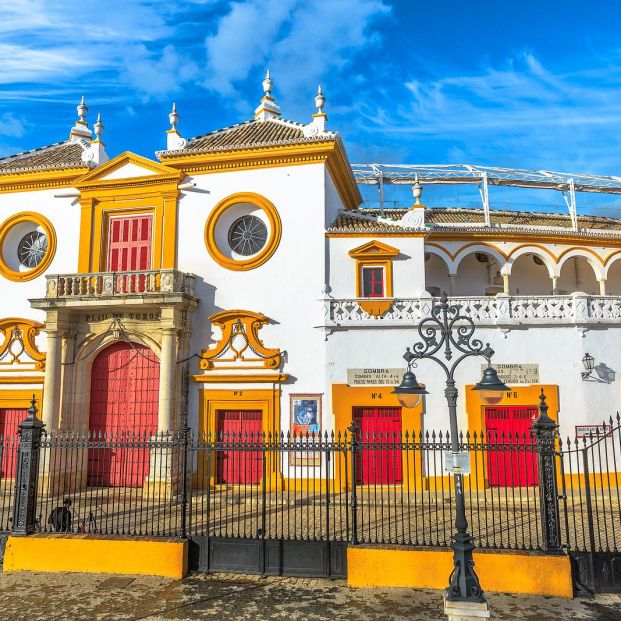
(18, 340)
(239, 346)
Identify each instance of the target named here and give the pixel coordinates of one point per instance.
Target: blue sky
(525, 84)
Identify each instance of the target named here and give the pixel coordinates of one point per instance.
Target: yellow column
(554, 285)
(505, 284)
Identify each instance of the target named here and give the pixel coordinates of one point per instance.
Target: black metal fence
(350, 487)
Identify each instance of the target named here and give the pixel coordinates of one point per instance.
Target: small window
(373, 282)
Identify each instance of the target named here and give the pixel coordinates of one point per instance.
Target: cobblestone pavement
(80, 597)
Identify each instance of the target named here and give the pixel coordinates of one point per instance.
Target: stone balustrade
(119, 284)
(501, 310)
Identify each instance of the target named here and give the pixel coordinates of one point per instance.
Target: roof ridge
(15, 156)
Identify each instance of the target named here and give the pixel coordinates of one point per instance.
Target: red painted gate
(380, 427)
(515, 463)
(9, 421)
(240, 427)
(124, 402)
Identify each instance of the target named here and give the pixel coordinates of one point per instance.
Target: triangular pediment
(127, 166)
(373, 250)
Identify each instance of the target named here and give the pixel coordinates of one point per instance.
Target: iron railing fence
(375, 488)
(8, 465)
(590, 468)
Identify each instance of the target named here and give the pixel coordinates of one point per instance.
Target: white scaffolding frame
(484, 176)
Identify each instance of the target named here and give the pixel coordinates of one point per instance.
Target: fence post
(24, 508)
(544, 430)
(185, 431)
(353, 449)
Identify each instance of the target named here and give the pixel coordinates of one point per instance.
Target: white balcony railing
(577, 309)
(119, 284)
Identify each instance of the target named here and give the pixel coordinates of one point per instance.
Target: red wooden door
(240, 465)
(9, 421)
(511, 459)
(380, 429)
(124, 405)
(129, 250)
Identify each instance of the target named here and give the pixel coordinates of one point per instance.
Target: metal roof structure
(484, 176)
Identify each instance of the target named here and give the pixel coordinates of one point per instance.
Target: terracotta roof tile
(55, 156)
(459, 219)
(251, 134)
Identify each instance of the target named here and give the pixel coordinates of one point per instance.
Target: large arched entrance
(123, 408)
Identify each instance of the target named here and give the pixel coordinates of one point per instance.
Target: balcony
(577, 309)
(114, 288)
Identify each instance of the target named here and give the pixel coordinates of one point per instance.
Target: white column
(51, 383)
(505, 284)
(452, 278)
(602, 286)
(554, 285)
(168, 371)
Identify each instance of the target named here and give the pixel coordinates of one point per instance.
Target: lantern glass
(409, 400)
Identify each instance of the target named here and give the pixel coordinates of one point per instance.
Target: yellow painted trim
(275, 233)
(29, 331)
(374, 254)
(374, 234)
(241, 378)
(521, 395)
(495, 234)
(22, 379)
(46, 225)
(328, 152)
(582, 249)
(95, 218)
(345, 398)
(376, 307)
(21, 398)
(507, 572)
(40, 180)
(90, 554)
(266, 400)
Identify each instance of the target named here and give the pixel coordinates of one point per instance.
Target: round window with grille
(32, 248)
(247, 235)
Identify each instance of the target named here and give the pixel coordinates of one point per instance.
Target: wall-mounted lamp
(604, 374)
(589, 364)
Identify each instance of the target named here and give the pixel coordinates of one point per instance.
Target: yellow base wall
(85, 553)
(532, 573)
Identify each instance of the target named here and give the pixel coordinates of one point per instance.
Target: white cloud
(11, 126)
(302, 42)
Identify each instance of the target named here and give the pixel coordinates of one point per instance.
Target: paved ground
(96, 597)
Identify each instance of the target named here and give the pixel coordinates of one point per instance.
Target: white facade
(539, 293)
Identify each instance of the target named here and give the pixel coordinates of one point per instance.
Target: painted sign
(457, 463)
(593, 431)
(374, 377)
(516, 373)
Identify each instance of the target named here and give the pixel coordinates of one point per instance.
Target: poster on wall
(305, 428)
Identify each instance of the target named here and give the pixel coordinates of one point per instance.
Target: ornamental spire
(267, 108)
(95, 153)
(174, 140)
(98, 127)
(80, 130)
(318, 125)
(320, 100)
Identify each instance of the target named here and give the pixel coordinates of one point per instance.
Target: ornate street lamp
(589, 364)
(442, 334)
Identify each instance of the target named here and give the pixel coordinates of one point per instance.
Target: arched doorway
(124, 401)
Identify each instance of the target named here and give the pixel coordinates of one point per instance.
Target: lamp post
(445, 333)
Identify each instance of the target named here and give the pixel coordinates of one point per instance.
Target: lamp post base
(465, 611)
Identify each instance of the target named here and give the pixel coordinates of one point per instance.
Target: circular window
(243, 231)
(27, 246)
(247, 235)
(32, 248)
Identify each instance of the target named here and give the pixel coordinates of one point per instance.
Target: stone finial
(320, 100)
(318, 124)
(80, 130)
(267, 84)
(98, 127)
(95, 153)
(82, 110)
(417, 192)
(267, 108)
(174, 140)
(173, 117)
